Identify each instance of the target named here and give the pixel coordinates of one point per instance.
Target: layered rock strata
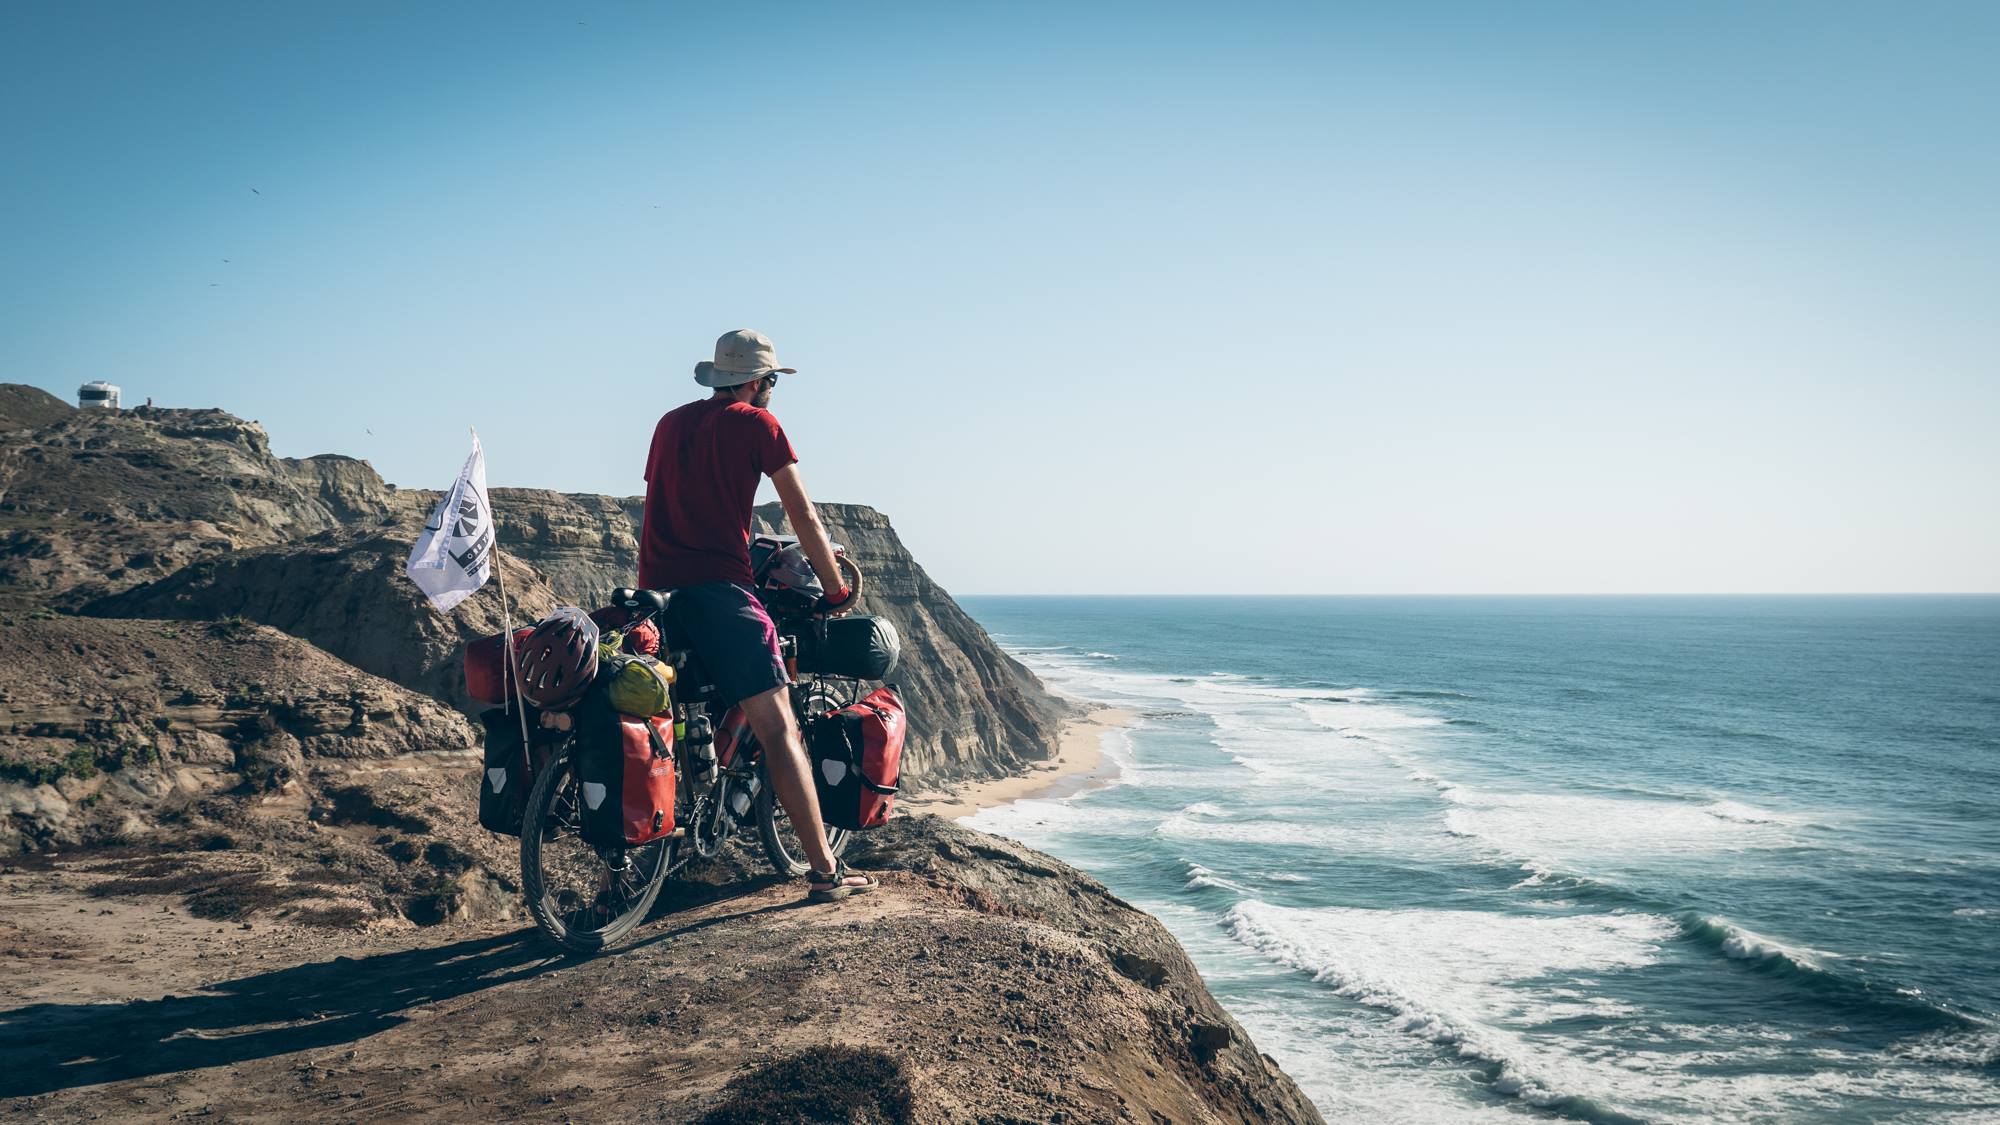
(100, 501)
(185, 514)
(345, 591)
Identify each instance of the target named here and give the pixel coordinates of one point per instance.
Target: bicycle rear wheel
(583, 897)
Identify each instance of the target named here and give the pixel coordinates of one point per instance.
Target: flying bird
(254, 191)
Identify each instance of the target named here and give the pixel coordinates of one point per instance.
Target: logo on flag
(454, 555)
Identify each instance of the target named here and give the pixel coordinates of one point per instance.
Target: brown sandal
(833, 886)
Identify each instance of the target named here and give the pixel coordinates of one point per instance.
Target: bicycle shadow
(51, 1046)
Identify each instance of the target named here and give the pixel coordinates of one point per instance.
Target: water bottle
(701, 746)
(741, 797)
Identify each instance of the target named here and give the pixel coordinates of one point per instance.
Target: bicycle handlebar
(642, 605)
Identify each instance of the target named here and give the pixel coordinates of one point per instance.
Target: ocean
(1598, 858)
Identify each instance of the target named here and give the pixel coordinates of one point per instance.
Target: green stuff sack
(639, 685)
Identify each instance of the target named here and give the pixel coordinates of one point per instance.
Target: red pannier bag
(486, 666)
(625, 775)
(857, 760)
(642, 639)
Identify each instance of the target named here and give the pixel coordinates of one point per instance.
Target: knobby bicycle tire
(560, 910)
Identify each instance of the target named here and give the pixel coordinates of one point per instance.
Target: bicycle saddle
(639, 603)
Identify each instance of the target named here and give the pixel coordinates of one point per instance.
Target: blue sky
(1089, 298)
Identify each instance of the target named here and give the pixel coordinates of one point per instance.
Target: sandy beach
(1079, 764)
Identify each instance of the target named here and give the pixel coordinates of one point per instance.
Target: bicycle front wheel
(583, 897)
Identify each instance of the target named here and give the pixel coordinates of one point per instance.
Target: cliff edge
(983, 982)
(242, 874)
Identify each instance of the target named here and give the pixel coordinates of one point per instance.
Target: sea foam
(1580, 831)
(1454, 978)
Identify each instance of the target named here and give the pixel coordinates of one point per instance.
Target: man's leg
(770, 716)
(738, 645)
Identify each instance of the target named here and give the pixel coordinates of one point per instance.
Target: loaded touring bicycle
(642, 769)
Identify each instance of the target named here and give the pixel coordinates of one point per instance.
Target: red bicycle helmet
(560, 659)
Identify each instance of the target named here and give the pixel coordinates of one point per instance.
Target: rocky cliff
(186, 514)
(243, 769)
(345, 591)
(29, 408)
(243, 879)
(99, 501)
(975, 711)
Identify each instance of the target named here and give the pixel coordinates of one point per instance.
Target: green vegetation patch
(78, 761)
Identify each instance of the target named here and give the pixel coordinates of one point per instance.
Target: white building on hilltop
(97, 393)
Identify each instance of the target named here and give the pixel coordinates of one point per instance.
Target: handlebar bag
(486, 666)
(510, 770)
(625, 776)
(859, 646)
(857, 760)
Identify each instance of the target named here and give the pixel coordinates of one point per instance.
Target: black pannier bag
(857, 646)
(509, 773)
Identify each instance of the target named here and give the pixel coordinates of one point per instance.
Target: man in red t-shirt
(701, 482)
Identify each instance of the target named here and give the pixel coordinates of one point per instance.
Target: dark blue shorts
(726, 628)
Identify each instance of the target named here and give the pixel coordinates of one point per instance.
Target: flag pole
(507, 618)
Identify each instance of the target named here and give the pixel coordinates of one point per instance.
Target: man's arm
(805, 524)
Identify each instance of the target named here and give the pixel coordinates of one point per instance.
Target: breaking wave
(1820, 971)
(1456, 993)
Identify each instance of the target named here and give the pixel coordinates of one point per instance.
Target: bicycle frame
(738, 760)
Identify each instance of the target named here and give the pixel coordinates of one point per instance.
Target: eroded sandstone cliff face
(245, 771)
(583, 543)
(345, 591)
(108, 726)
(350, 489)
(974, 710)
(185, 514)
(100, 501)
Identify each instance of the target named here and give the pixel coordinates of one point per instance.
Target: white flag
(454, 555)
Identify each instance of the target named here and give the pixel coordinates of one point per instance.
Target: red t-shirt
(701, 482)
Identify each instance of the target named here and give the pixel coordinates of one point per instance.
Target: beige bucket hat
(740, 356)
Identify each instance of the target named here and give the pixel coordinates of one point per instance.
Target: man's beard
(762, 398)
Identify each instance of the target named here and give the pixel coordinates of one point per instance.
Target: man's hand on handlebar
(836, 603)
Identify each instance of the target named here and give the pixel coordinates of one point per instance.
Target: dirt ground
(943, 996)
